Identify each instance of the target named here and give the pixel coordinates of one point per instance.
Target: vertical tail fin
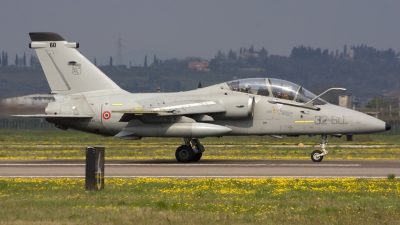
(67, 70)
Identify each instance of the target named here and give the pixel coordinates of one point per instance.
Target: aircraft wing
(54, 116)
(179, 108)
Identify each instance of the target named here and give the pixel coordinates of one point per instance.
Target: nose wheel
(317, 155)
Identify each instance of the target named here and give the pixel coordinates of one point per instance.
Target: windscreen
(256, 86)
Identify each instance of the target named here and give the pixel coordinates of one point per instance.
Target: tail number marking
(52, 45)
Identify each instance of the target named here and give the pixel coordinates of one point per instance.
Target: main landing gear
(191, 151)
(318, 155)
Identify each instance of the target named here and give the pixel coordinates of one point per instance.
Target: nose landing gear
(317, 155)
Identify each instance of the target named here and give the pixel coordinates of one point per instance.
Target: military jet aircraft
(89, 101)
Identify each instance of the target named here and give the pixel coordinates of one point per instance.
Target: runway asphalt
(204, 168)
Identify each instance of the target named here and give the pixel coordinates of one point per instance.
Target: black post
(349, 137)
(94, 168)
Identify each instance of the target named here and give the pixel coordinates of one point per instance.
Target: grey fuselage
(261, 118)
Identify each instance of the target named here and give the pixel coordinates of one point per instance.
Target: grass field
(36, 144)
(197, 201)
(201, 201)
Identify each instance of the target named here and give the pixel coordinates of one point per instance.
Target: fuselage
(265, 118)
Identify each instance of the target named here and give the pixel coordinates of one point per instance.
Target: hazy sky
(201, 27)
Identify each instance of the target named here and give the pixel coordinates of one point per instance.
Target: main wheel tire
(197, 157)
(184, 153)
(315, 157)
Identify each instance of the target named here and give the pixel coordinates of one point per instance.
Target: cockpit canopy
(274, 88)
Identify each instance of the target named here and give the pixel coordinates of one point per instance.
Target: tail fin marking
(67, 87)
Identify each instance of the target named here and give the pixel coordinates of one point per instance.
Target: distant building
(35, 100)
(352, 54)
(199, 65)
(346, 101)
(246, 55)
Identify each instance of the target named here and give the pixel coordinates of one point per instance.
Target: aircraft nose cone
(388, 127)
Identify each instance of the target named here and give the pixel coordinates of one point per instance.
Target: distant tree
(219, 56)
(317, 52)
(302, 52)
(16, 60)
(111, 61)
(364, 52)
(95, 62)
(251, 49)
(378, 102)
(145, 61)
(297, 52)
(24, 60)
(325, 53)
(154, 59)
(232, 55)
(388, 54)
(263, 52)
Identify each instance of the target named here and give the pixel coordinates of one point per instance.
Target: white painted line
(244, 177)
(192, 165)
(42, 176)
(39, 164)
(212, 146)
(243, 165)
(188, 177)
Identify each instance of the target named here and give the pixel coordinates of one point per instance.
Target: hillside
(365, 73)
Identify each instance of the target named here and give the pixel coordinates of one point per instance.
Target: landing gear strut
(318, 155)
(192, 150)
